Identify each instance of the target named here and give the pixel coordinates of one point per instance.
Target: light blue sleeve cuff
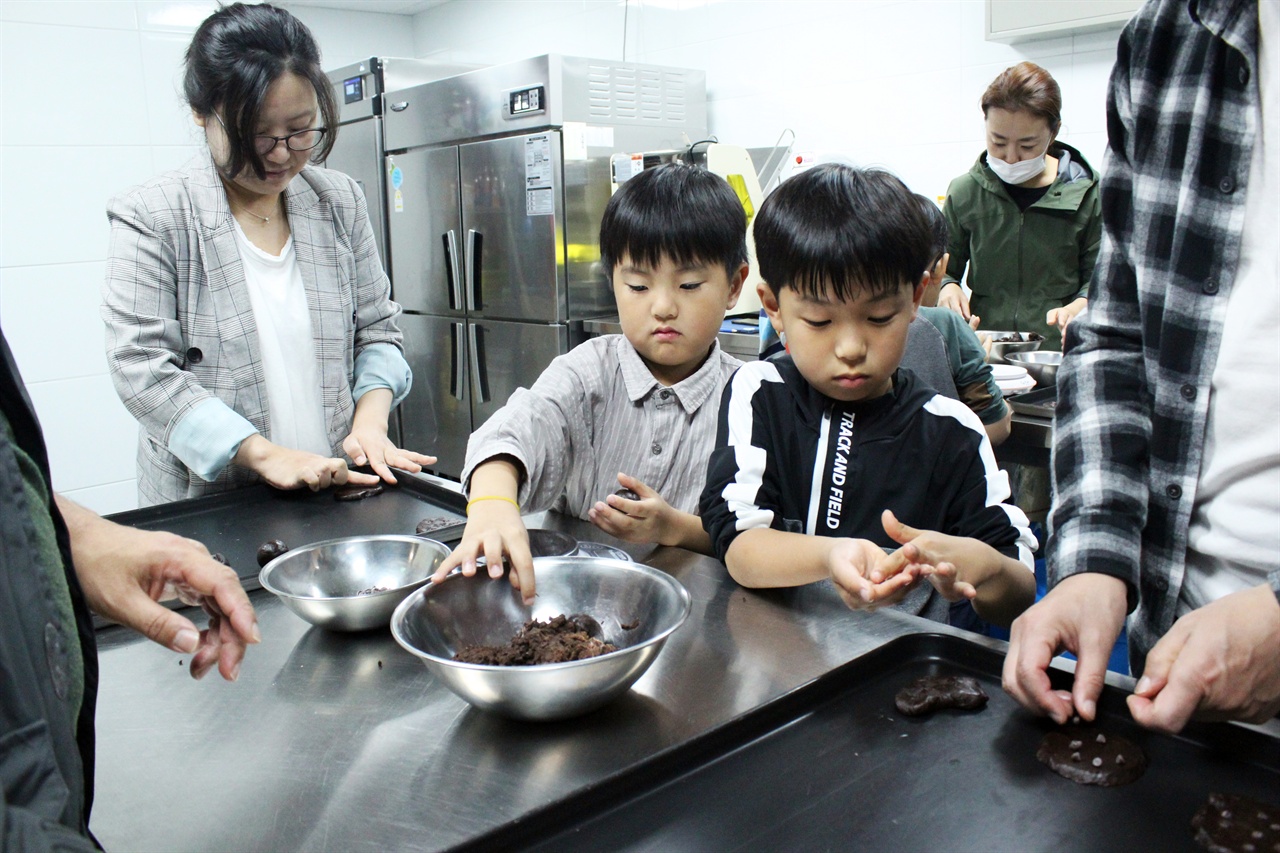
(208, 437)
(382, 366)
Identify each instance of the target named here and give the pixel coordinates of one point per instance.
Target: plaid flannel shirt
(1133, 392)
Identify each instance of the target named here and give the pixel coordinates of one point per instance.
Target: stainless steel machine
(359, 150)
(496, 183)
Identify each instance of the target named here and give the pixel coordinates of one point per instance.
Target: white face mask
(1016, 173)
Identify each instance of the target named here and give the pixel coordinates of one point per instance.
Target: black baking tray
(235, 523)
(1039, 403)
(833, 765)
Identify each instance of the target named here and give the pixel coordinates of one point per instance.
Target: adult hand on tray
(367, 444)
(1082, 614)
(125, 572)
(285, 468)
(1220, 662)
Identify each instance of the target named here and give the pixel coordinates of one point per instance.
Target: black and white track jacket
(791, 458)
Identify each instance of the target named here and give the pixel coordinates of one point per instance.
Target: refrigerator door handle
(475, 241)
(481, 390)
(459, 362)
(450, 238)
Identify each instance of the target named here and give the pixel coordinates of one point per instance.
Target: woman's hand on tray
(1219, 662)
(1083, 614)
(368, 443)
(125, 572)
(285, 468)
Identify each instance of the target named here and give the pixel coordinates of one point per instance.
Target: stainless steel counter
(346, 742)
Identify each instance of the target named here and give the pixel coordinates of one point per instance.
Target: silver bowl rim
(265, 573)
(397, 618)
(1030, 357)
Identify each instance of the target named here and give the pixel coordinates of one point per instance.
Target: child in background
(974, 381)
(642, 403)
(829, 457)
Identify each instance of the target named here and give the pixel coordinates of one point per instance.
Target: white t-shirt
(1234, 538)
(296, 411)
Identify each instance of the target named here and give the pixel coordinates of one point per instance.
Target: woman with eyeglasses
(250, 328)
(1025, 221)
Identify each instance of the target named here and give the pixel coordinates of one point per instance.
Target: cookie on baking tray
(1091, 757)
(1231, 823)
(931, 692)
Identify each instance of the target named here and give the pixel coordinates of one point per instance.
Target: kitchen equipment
(1039, 403)
(358, 148)
(1003, 343)
(781, 776)
(497, 182)
(1041, 364)
(637, 607)
(353, 583)
(235, 523)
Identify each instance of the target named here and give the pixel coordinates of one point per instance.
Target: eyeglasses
(302, 140)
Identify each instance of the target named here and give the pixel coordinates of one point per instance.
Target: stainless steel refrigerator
(359, 148)
(496, 183)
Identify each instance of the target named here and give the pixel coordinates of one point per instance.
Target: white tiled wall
(895, 84)
(89, 104)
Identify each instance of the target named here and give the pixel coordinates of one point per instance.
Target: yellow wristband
(491, 498)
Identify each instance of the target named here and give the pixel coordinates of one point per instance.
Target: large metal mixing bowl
(1004, 343)
(437, 620)
(353, 583)
(1042, 365)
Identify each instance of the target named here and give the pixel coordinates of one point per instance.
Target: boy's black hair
(938, 230)
(848, 229)
(234, 57)
(681, 212)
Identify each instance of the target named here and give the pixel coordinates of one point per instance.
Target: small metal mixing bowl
(1042, 365)
(1021, 342)
(637, 607)
(353, 583)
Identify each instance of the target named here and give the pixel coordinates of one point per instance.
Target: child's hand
(645, 519)
(494, 529)
(866, 577)
(933, 555)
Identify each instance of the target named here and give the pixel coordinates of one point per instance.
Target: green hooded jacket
(1022, 264)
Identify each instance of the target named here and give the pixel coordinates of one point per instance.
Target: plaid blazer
(180, 327)
(1133, 389)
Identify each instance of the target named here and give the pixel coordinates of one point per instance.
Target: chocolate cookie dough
(1231, 823)
(218, 558)
(268, 551)
(928, 694)
(560, 639)
(430, 525)
(1090, 757)
(356, 493)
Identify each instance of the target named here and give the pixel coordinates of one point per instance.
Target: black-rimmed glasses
(302, 140)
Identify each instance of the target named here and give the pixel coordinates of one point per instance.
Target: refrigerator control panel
(353, 90)
(529, 100)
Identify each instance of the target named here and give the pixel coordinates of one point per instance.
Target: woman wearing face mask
(1025, 219)
(250, 328)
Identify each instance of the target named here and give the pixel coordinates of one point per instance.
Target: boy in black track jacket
(825, 455)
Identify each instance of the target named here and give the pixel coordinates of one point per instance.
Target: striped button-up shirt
(1133, 390)
(597, 412)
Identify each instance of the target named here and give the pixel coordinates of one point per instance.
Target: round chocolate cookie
(268, 551)
(356, 493)
(1231, 823)
(1090, 757)
(431, 525)
(928, 694)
